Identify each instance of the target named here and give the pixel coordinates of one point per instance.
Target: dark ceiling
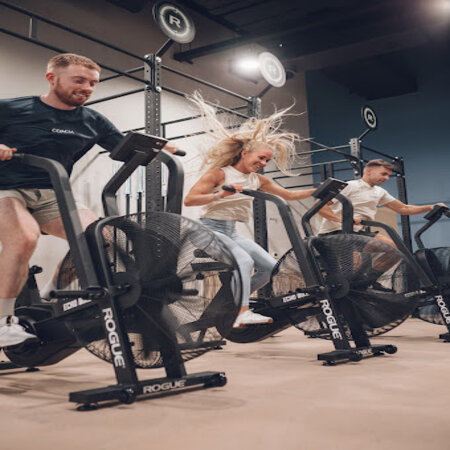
(361, 44)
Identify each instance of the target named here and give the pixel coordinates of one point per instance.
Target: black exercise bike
(327, 286)
(435, 307)
(140, 291)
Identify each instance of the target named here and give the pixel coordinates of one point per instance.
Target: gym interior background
(137, 32)
(409, 81)
(407, 87)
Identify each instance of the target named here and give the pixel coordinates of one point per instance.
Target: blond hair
(65, 59)
(249, 135)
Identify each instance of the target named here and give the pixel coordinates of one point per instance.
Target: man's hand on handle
(6, 152)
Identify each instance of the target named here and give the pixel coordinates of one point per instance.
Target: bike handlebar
(437, 212)
(432, 216)
(290, 227)
(66, 203)
(325, 192)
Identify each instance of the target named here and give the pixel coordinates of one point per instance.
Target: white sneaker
(11, 333)
(251, 318)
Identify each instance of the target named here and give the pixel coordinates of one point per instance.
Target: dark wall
(414, 126)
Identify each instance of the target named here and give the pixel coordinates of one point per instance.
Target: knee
(386, 240)
(22, 245)
(245, 262)
(268, 272)
(267, 264)
(27, 246)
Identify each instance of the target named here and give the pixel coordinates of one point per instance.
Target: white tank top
(234, 207)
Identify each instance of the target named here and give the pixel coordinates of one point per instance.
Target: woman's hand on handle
(6, 152)
(227, 193)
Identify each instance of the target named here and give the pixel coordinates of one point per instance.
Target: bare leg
(385, 239)
(19, 234)
(55, 227)
(390, 258)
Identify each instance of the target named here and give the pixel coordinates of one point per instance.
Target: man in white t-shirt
(366, 195)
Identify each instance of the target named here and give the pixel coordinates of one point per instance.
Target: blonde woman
(234, 160)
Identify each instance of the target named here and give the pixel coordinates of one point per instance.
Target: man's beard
(68, 98)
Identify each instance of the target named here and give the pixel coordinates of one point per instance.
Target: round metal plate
(369, 117)
(174, 22)
(271, 69)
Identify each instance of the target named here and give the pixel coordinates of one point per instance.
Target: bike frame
(99, 291)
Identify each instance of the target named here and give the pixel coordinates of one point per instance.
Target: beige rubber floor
(278, 396)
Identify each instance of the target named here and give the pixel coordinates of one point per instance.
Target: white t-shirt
(365, 199)
(234, 207)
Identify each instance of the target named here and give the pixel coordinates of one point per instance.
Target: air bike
(132, 289)
(330, 287)
(435, 307)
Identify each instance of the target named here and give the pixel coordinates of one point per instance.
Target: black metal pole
(205, 83)
(402, 196)
(153, 179)
(259, 205)
(113, 97)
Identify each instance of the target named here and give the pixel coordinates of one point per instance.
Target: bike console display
(329, 186)
(137, 142)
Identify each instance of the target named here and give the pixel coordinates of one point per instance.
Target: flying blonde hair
(249, 136)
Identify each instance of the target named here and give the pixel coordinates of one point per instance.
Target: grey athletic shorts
(41, 203)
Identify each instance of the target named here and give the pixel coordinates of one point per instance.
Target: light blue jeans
(248, 255)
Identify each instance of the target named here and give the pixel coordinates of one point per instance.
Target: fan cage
(181, 266)
(438, 262)
(348, 264)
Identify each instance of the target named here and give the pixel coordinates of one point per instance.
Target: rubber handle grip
(228, 188)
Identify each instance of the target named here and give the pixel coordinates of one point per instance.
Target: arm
(270, 187)
(202, 191)
(408, 210)
(327, 213)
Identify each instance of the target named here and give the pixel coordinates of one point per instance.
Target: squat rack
(346, 162)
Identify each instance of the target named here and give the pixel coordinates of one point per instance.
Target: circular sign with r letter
(174, 22)
(271, 69)
(369, 117)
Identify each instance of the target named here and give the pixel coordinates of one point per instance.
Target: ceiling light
(248, 65)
